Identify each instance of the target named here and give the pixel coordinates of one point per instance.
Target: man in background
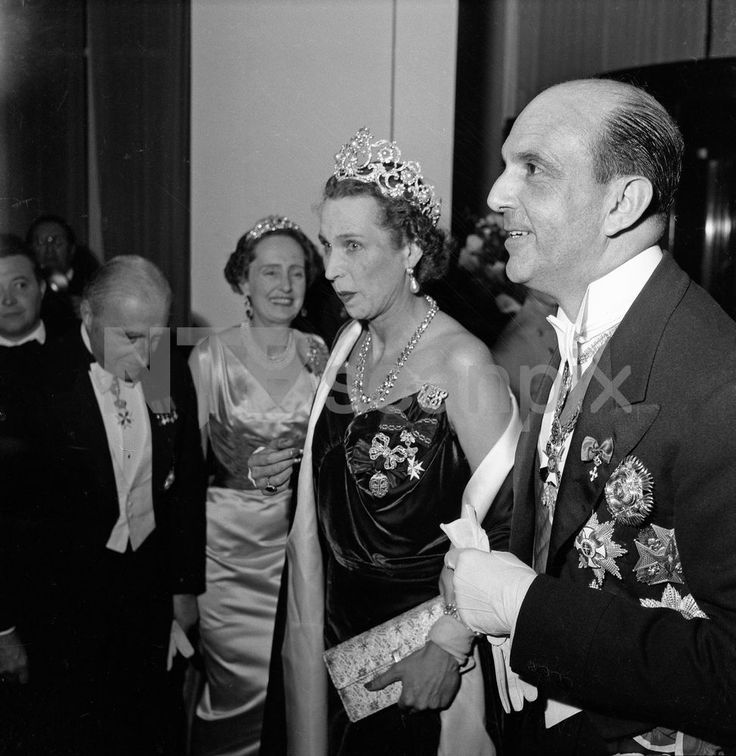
(25, 491)
(66, 265)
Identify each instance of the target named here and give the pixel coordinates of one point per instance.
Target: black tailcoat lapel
(525, 468)
(614, 407)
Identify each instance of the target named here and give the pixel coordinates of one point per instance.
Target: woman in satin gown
(410, 419)
(255, 384)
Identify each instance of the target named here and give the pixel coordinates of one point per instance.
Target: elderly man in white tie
(127, 558)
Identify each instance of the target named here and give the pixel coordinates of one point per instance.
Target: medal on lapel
(123, 415)
(592, 451)
(555, 445)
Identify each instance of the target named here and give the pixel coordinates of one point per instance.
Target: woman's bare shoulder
(456, 345)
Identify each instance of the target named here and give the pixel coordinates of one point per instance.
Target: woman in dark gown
(385, 551)
(386, 460)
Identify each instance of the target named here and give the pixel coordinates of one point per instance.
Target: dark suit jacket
(631, 667)
(22, 490)
(86, 471)
(96, 623)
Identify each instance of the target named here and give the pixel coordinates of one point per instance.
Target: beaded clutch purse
(354, 662)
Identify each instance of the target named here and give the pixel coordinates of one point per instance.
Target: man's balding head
(123, 305)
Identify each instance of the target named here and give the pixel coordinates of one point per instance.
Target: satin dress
(246, 533)
(384, 481)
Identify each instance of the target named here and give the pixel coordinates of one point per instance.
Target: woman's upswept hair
(404, 221)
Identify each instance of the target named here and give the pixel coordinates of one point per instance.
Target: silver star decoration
(659, 559)
(671, 599)
(598, 550)
(414, 468)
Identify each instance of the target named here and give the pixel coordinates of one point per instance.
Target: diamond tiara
(268, 224)
(379, 162)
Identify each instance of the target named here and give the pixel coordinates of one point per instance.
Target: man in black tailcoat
(125, 555)
(620, 590)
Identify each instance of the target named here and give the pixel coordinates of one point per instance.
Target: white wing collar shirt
(606, 302)
(124, 413)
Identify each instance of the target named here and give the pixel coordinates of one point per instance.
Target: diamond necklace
(358, 397)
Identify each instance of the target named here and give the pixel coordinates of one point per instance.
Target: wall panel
(279, 85)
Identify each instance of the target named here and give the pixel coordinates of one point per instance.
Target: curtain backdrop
(139, 76)
(42, 104)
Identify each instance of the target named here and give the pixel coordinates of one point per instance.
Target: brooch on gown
(629, 492)
(393, 455)
(597, 549)
(316, 357)
(430, 397)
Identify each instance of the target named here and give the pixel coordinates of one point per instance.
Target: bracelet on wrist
(450, 609)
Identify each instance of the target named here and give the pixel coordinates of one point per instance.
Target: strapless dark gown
(384, 482)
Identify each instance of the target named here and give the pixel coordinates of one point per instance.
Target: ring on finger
(269, 487)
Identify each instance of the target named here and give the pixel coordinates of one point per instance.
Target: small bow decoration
(596, 453)
(380, 448)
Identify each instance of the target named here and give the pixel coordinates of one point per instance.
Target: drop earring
(413, 283)
(248, 307)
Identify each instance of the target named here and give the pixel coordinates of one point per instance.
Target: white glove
(467, 534)
(512, 690)
(489, 588)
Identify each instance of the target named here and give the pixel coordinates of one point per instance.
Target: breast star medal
(659, 559)
(597, 549)
(629, 492)
(671, 599)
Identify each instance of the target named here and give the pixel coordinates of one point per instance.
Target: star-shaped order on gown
(414, 468)
(671, 599)
(659, 559)
(597, 549)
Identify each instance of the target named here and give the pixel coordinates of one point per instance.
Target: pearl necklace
(261, 356)
(358, 397)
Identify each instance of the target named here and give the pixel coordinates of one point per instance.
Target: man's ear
(85, 312)
(630, 196)
(42, 287)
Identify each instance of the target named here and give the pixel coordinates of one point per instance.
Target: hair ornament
(270, 224)
(379, 162)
